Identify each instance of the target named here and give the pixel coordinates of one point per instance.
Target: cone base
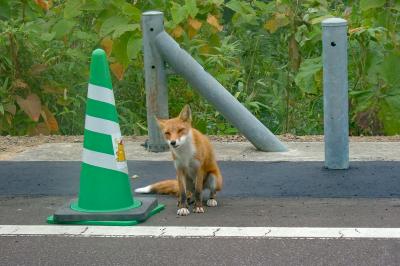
(66, 215)
(135, 204)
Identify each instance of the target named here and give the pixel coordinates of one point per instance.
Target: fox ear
(186, 114)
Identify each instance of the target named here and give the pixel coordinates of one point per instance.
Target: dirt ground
(15, 144)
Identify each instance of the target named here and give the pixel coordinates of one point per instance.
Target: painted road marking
(201, 231)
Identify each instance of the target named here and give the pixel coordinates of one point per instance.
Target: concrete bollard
(217, 95)
(155, 80)
(336, 121)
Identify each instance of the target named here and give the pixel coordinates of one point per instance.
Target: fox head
(177, 130)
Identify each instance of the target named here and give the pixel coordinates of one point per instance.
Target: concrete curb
(225, 151)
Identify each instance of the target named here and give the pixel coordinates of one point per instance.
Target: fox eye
(180, 130)
(167, 133)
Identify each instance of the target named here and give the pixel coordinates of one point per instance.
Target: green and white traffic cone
(105, 196)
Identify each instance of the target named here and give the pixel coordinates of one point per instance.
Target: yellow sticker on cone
(119, 151)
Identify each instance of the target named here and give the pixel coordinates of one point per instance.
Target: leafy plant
(266, 53)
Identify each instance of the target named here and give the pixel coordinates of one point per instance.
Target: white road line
(209, 232)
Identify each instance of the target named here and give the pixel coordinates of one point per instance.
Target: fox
(195, 164)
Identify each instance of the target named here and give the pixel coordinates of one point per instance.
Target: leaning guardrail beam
(260, 136)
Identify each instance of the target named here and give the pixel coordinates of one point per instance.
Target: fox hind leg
(211, 185)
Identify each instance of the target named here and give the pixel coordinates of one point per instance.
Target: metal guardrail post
(217, 95)
(336, 120)
(155, 80)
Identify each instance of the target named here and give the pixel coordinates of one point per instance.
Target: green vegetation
(266, 53)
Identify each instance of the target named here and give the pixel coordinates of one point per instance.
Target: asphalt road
(196, 251)
(241, 179)
(235, 211)
(292, 194)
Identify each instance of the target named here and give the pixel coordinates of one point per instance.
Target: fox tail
(165, 187)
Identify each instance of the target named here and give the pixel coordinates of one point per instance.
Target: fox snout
(173, 143)
(176, 142)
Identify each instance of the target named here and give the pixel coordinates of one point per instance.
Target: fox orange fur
(195, 164)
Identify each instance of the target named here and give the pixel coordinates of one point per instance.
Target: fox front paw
(198, 210)
(212, 203)
(183, 212)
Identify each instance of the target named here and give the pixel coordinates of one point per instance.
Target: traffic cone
(105, 196)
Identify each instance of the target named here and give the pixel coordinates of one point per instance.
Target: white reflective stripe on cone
(103, 160)
(103, 126)
(101, 94)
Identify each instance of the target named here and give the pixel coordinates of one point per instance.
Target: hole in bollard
(153, 67)
(333, 44)
(151, 29)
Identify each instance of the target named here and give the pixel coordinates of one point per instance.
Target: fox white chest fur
(185, 155)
